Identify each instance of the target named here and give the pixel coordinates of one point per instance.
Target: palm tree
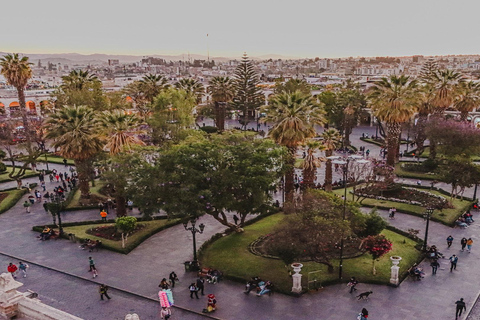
(17, 72)
(76, 133)
(394, 102)
(310, 163)
(424, 108)
(78, 80)
(332, 139)
(467, 98)
(293, 116)
(222, 91)
(120, 131)
(192, 87)
(151, 85)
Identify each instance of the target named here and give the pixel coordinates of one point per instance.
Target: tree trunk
(328, 171)
(121, 208)
(26, 125)
(289, 181)
(464, 116)
(309, 171)
(420, 135)
(374, 270)
(83, 177)
(393, 136)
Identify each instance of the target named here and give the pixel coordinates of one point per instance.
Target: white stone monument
(394, 270)
(297, 278)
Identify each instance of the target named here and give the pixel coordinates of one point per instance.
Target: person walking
(103, 214)
(173, 277)
(92, 264)
(201, 285)
(469, 244)
(460, 307)
(363, 315)
(27, 206)
(235, 219)
(463, 242)
(449, 241)
(193, 290)
(352, 284)
(434, 264)
(453, 262)
(165, 313)
(23, 268)
(12, 269)
(103, 291)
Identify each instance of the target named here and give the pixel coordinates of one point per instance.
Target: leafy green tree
(331, 140)
(467, 98)
(81, 88)
(76, 132)
(311, 163)
(293, 116)
(120, 130)
(377, 246)
(222, 92)
(151, 85)
(292, 85)
(248, 96)
(193, 87)
(78, 80)
(374, 224)
(394, 101)
(460, 172)
(125, 225)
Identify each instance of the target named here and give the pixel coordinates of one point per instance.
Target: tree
(293, 116)
(331, 141)
(192, 87)
(151, 85)
(222, 92)
(125, 225)
(134, 91)
(76, 132)
(424, 108)
(81, 88)
(460, 172)
(248, 97)
(454, 138)
(17, 72)
(78, 80)
(374, 224)
(394, 101)
(120, 130)
(467, 98)
(292, 85)
(211, 175)
(310, 163)
(377, 246)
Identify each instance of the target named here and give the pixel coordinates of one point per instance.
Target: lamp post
(46, 161)
(194, 231)
(427, 215)
(344, 162)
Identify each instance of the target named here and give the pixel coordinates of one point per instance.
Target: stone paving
(141, 271)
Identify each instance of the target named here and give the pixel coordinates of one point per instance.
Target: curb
(112, 287)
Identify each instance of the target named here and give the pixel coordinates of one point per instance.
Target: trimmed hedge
(12, 199)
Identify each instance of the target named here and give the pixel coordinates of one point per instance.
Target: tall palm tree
(77, 135)
(120, 130)
(78, 80)
(222, 91)
(394, 102)
(310, 163)
(293, 116)
(467, 98)
(193, 87)
(332, 140)
(424, 108)
(17, 72)
(152, 84)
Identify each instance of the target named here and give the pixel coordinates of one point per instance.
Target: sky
(300, 28)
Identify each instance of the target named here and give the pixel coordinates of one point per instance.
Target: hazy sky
(300, 28)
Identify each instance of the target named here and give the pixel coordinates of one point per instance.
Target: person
(46, 233)
(103, 291)
(469, 244)
(31, 199)
(164, 284)
(392, 213)
(193, 290)
(252, 284)
(173, 277)
(27, 205)
(449, 241)
(38, 195)
(130, 205)
(419, 182)
(44, 187)
(352, 284)
(201, 285)
(460, 307)
(461, 223)
(165, 313)
(367, 152)
(363, 315)
(23, 268)
(91, 264)
(267, 288)
(12, 269)
(463, 242)
(235, 219)
(65, 162)
(103, 214)
(434, 264)
(211, 303)
(453, 262)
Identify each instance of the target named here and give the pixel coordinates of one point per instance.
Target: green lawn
(55, 159)
(426, 154)
(11, 199)
(230, 255)
(414, 175)
(446, 216)
(152, 227)
(75, 202)
(5, 178)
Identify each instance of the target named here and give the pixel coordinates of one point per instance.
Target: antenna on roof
(208, 50)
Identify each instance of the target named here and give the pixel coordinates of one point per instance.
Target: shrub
(3, 167)
(209, 129)
(374, 224)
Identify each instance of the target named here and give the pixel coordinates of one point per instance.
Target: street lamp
(427, 215)
(344, 162)
(194, 231)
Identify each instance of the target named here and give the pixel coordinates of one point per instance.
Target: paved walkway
(141, 271)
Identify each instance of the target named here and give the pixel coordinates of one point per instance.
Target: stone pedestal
(395, 270)
(297, 278)
(9, 296)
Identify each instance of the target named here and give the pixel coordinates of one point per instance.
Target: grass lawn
(75, 202)
(446, 216)
(55, 159)
(426, 154)
(12, 198)
(152, 227)
(5, 178)
(230, 255)
(414, 175)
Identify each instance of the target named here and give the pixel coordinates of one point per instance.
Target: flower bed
(109, 232)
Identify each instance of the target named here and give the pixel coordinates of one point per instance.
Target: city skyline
(313, 29)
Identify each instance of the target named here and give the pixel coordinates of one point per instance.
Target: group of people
(12, 269)
(261, 287)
